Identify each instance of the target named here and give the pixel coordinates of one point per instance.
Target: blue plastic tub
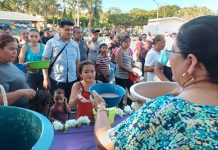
(22, 67)
(107, 88)
(24, 129)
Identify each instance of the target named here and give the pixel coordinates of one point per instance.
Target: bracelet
(101, 105)
(101, 109)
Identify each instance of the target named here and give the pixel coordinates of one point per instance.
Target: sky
(126, 5)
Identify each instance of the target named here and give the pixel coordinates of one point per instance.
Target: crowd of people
(169, 121)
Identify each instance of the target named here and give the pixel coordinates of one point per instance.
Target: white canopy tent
(18, 16)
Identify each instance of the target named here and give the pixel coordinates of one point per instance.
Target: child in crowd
(40, 102)
(103, 64)
(60, 109)
(80, 91)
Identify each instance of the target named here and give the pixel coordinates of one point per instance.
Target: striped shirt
(103, 61)
(127, 61)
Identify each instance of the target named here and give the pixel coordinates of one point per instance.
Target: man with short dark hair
(93, 45)
(64, 71)
(78, 37)
(46, 36)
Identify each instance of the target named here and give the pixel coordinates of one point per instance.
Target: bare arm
(22, 55)
(75, 95)
(158, 70)
(51, 114)
(120, 60)
(100, 71)
(149, 69)
(113, 58)
(138, 49)
(14, 96)
(46, 80)
(102, 125)
(67, 108)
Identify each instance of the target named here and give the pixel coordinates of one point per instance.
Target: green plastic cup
(111, 115)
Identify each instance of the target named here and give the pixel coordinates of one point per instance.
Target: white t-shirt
(150, 60)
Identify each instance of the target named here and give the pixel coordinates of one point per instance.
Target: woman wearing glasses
(32, 51)
(188, 120)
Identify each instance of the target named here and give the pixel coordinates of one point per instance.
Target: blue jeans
(143, 65)
(112, 71)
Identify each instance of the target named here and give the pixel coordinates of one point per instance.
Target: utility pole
(45, 12)
(77, 4)
(157, 13)
(157, 7)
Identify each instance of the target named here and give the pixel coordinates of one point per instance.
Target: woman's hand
(136, 74)
(29, 93)
(96, 99)
(80, 98)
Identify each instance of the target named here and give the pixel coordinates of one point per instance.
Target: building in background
(163, 25)
(19, 20)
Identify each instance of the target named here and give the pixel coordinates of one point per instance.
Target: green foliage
(168, 11)
(84, 21)
(120, 20)
(138, 12)
(114, 10)
(11, 5)
(91, 14)
(139, 20)
(127, 20)
(139, 17)
(93, 8)
(192, 12)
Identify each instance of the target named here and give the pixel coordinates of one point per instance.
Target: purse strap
(52, 64)
(5, 101)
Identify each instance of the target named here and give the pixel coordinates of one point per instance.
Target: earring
(187, 79)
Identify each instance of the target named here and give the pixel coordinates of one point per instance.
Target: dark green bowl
(24, 129)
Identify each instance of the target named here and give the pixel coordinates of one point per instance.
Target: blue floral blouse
(168, 122)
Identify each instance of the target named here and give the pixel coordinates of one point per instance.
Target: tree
(72, 7)
(91, 6)
(114, 10)
(13, 5)
(96, 14)
(53, 10)
(139, 17)
(168, 11)
(138, 12)
(192, 12)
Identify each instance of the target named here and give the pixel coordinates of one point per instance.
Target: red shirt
(85, 109)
